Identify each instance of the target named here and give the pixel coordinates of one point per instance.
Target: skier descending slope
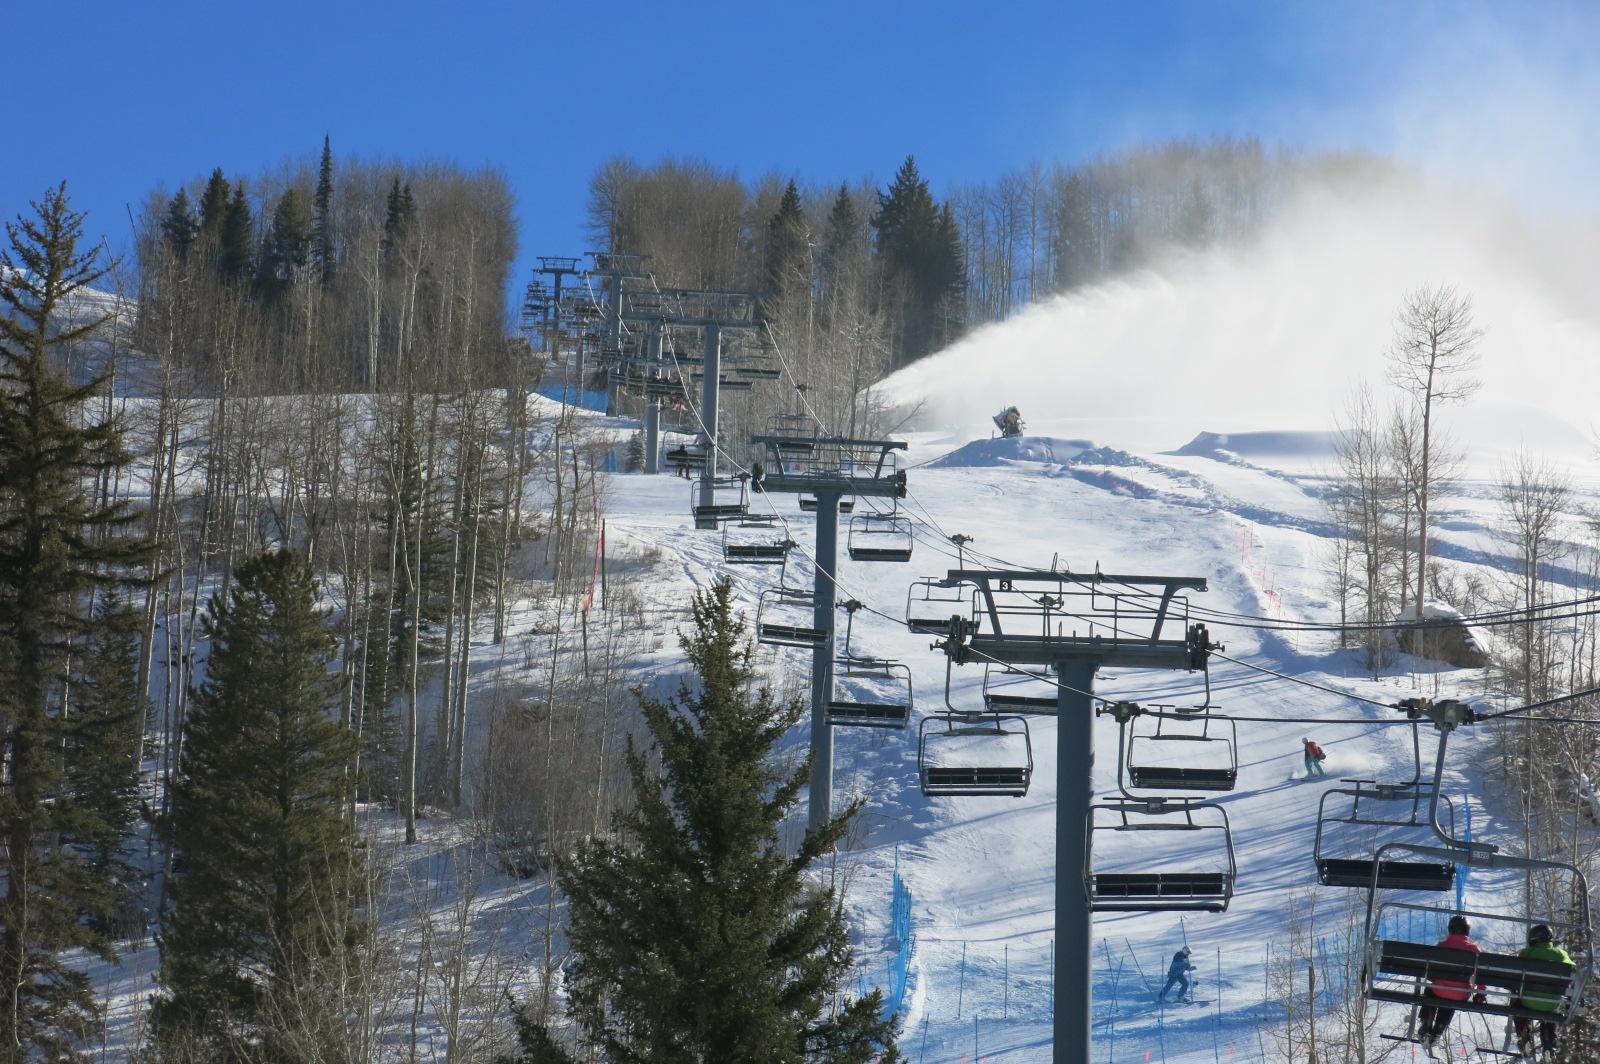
(1178, 975)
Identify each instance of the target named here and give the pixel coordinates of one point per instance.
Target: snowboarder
(1009, 422)
(1541, 946)
(1178, 974)
(1315, 756)
(1435, 1018)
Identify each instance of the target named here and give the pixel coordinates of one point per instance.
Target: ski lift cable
(1305, 683)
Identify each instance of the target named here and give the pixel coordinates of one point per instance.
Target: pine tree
(179, 226)
(288, 247)
(322, 216)
(398, 218)
(786, 265)
(841, 240)
(58, 546)
(265, 859)
(732, 953)
(102, 754)
(214, 203)
(636, 453)
(233, 237)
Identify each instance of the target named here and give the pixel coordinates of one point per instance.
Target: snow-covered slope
(981, 869)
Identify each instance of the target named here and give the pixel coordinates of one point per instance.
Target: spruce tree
(265, 859)
(322, 214)
(234, 237)
(214, 202)
(841, 240)
(58, 547)
(786, 262)
(636, 453)
(288, 245)
(102, 754)
(178, 226)
(733, 952)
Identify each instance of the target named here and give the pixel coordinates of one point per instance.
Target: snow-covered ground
(981, 869)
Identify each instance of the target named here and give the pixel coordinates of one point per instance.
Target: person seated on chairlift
(1178, 975)
(1435, 1018)
(1541, 946)
(1315, 756)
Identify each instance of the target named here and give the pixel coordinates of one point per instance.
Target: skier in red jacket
(1314, 758)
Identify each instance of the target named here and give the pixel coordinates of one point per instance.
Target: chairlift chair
(930, 605)
(1400, 971)
(1335, 869)
(758, 373)
(766, 551)
(880, 538)
(783, 619)
(730, 499)
(1007, 777)
(872, 713)
(1197, 772)
(1009, 690)
(1162, 889)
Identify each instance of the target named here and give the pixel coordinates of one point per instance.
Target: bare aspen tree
(1431, 358)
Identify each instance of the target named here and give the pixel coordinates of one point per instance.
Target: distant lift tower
(1075, 623)
(829, 468)
(617, 269)
(557, 267)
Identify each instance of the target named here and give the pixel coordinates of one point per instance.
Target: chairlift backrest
(996, 773)
(1194, 770)
(1171, 886)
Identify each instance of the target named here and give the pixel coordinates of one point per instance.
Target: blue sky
(118, 97)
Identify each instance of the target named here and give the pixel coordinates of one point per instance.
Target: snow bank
(1045, 450)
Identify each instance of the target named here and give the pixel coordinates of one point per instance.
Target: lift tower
(829, 468)
(617, 268)
(1075, 623)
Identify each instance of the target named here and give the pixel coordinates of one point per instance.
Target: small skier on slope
(1178, 975)
(1315, 756)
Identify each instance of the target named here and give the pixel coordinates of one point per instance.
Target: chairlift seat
(808, 503)
(755, 553)
(721, 511)
(1147, 891)
(929, 625)
(1009, 781)
(790, 635)
(1176, 778)
(1017, 703)
(1392, 875)
(868, 714)
(1515, 978)
(880, 554)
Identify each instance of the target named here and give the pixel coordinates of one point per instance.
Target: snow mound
(1040, 450)
(1284, 444)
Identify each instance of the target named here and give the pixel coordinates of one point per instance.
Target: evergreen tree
(398, 218)
(265, 860)
(917, 244)
(786, 261)
(57, 548)
(102, 754)
(179, 226)
(233, 237)
(214, 203)
(841, 240)
(322, 217)
(288, 247)
(636, 453)
(732, 953)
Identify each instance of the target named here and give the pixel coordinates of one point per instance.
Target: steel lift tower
(1075, 623)
(830, 468)
(617, 269)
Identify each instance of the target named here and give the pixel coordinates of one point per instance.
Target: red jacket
(1449, 989)
(1313, 750)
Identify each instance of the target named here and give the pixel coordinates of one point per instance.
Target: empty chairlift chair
(730, 499)
(1353, 823)
(930, 605)
(1195, 878)
(1009, 690)
(887, 698)
(1185, 753)
(784, 618)
(742, 543)
(880, 538)
(973, 754)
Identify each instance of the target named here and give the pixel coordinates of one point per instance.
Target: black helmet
(1538, 933)
(1459, 926)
